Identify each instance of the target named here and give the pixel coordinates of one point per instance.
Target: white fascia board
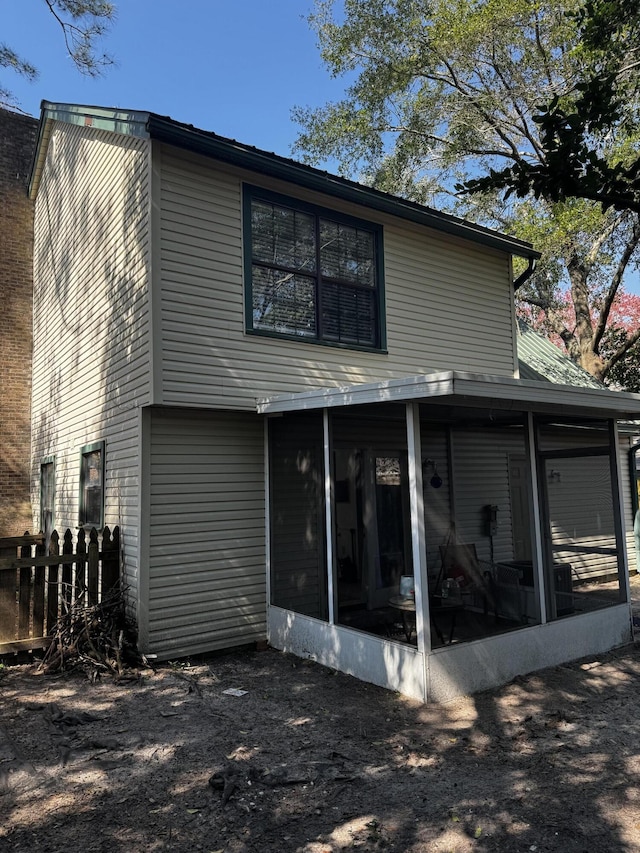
(503, 392)
(385, 391)
(541, 395)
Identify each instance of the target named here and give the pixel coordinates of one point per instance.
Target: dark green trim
(48, 460)
(316, 342)
(251, 193)
(84, 451)
(247, 157)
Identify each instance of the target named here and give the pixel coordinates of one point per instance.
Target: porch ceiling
(466, 389)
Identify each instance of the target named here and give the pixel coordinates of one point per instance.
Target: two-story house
(299, 397)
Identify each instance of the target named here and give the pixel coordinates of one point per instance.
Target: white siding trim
(155, 277)
(144, 521)
(395, 666)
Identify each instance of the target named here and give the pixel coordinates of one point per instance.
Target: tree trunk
(588, 356)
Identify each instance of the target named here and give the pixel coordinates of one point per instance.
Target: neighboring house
(17, 144)
(292, 391)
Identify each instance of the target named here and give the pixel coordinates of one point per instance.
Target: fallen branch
(98, 636)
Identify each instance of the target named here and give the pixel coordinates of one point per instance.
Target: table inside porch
(439, 604)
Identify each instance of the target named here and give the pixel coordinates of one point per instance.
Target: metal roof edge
(167, 130)
(386, 390)
(125, 122)
(455, 383)
(164, 129)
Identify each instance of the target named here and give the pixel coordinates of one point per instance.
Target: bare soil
(312, 761)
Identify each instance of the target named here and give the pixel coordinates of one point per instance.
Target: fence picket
(81, 552)
(52, 583)
(92, 567)
(38, 593)
(110, 559)
(7, 600)
(67, 569)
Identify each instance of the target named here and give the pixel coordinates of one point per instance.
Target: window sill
(300, 339)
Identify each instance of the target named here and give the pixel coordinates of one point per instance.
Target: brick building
(17, 143)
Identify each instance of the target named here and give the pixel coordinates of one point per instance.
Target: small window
(47, 494)
(92, 485)
(312, 273)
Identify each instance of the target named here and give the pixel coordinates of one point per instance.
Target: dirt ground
(311, 761)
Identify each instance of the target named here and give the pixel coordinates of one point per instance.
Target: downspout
(523, 277)
(633, 470)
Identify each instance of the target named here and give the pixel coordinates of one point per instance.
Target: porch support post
(536, 495)
(267, 515)
(618, 513)
(418, 538)
(328, 513)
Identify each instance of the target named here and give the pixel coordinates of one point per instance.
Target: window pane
(46, 496)
(282, 237)
(92, 488)
(283, 302)
(346, 253)
(348, 314)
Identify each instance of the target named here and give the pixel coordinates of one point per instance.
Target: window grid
(322, 284)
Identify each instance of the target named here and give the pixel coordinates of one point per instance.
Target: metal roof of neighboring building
(539, 359)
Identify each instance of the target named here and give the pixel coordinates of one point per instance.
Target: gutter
(526, 275)
(229, 151)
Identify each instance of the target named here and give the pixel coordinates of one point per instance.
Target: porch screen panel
(298, 575)
(584, 572)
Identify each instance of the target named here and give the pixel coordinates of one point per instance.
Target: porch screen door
(386, 519)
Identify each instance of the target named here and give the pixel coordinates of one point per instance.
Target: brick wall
(17, 143)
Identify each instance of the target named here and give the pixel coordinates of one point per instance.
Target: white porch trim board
(450, 671)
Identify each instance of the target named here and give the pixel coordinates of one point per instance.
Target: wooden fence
(39, 583)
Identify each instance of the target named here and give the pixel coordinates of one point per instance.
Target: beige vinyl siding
(206, 532)
(481, 477)
(583, 536)
(437, 505)
(448, 302)
(91, 364)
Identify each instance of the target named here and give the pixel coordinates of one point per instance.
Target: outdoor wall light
(436, 480)
(555, 476)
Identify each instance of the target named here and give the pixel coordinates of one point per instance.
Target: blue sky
(235, 68)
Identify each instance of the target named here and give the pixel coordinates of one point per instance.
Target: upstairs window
(92, 485)
(311, 273)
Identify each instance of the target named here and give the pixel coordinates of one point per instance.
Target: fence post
(24, 593)
(7, 598)
(110, 560)
(92, 570)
